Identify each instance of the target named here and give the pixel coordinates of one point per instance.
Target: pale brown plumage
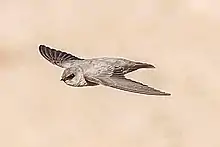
(99, 71)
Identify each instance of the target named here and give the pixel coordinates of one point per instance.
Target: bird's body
(105, 64)
(98, 71)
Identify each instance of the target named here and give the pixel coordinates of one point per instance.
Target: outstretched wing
(56, 57)
(122, 83)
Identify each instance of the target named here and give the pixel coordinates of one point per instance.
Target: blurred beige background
(180, 37)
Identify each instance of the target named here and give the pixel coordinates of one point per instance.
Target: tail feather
(137, 66)
(143, 65)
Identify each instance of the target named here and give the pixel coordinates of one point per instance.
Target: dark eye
(70, 77)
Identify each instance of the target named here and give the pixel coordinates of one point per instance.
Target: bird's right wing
(56, 57)
(122, 83)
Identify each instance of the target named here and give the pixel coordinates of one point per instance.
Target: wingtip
(161, 93)
(167, 94)
(41, 46)
(44, 49)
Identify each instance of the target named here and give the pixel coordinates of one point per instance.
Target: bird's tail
(143, 65)
(138, 65)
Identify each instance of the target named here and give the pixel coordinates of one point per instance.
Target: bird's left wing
(56, 57)
(122, 83)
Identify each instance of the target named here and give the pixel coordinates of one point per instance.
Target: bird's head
(72, 77)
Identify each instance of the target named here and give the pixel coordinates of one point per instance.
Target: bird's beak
(62, 80)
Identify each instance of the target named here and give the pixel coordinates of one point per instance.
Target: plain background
(180, 37)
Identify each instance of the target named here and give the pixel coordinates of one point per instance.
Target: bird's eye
(70, 77)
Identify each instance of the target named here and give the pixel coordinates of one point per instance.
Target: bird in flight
(104, 71)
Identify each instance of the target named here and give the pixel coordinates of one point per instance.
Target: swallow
(104, 71)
